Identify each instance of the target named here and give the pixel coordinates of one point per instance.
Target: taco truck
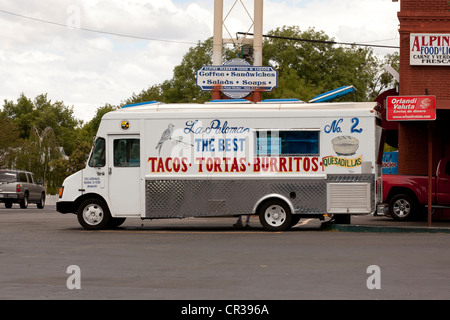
(280, 160)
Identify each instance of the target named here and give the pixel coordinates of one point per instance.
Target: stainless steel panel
(201, 197)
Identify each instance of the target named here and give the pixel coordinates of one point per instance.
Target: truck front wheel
(402, 207)
(93, 214)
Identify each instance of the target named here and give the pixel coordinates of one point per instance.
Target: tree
(21, 113)
(40, 114)
(36, 154)
(63, 167)
(307, 69)
(9, 141)
(383, 79)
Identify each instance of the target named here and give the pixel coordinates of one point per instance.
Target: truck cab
(406, 196)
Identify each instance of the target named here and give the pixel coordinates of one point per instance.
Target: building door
(443, 182)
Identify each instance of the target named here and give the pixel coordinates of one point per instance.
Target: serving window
(293, 142)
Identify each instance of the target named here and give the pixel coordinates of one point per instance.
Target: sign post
(430, 173)
(404, 108)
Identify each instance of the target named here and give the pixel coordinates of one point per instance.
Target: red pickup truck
(405, 196)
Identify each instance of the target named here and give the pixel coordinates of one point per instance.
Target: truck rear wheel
(24, 202)
(402, 207)
(93, 214)
(41, 202)
(275, 215)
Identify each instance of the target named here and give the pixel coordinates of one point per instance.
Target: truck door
(124, 174)
(33, 188)
(443, 182)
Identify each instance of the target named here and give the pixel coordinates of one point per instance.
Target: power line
(321, 41)
(93, 30)
(185, 42)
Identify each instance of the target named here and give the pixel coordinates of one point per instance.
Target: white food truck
(281, 160)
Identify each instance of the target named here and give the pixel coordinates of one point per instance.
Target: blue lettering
(334, 127)
(355, 122)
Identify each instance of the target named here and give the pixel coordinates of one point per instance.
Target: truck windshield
(7, 176)
(98, 154)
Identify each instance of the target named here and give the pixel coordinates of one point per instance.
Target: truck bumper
(65, 206)
(9, 197)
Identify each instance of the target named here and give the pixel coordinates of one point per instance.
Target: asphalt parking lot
(203, 259)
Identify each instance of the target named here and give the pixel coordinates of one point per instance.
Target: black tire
(41, 202)
(295, 218)
(8, 204)
(93, 214)
(275, 215)
(24, 202)
(342, 218)
(403, 207)
(115, 222)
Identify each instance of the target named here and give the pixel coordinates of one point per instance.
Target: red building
(424, 70)
(429, 20)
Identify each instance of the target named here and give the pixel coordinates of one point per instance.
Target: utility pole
(257, 39)
(217, 40)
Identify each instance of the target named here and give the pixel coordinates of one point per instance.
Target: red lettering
(242, 162)
(168, 169)
(209, 164)
(225, 161)
(217, 167)
(234, 166)
(315, 165)
(283, 165)
(434, 38)
(416, 46)
(297, 160)
(184, 164)
(273, 165)
(256, 165)
(306, 164)
(160, 167)
(446, 40)
(200, 162)
(152, 161)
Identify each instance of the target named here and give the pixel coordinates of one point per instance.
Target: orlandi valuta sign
(399, 108)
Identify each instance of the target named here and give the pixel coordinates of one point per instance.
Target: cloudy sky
(87, 53)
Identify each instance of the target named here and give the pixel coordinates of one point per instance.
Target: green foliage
(9, 140)
(307, 69)
(40, 114)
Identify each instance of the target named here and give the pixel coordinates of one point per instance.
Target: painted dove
(166, 135)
